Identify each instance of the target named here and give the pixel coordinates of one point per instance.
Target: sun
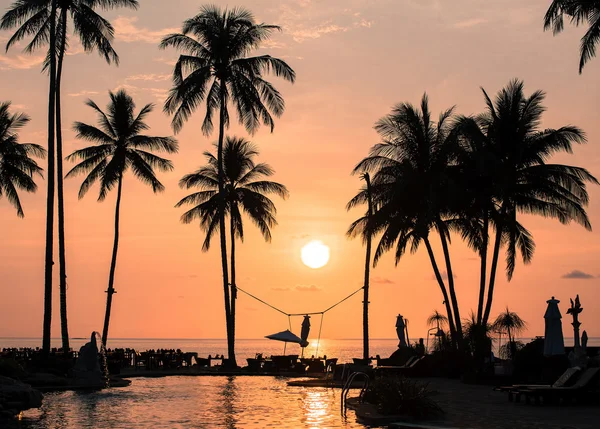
(315, 254)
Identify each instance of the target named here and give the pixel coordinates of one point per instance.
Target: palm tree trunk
(223, 237)
(50, 197)
(367, 273)
(483, 255)
(498, 242)
(451, 284)
(113, 265)
(440, 281)
(233, 286)
(60, 191)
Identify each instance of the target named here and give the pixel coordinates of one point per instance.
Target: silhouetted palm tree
(437, 319)
(215, 68)
(243, 191)
(19, 11)
(519, 179)
(33, 17)
(119, 147)
(365, 196)
(509, 322)
(412, 191)
(17, 168)
(579, 12)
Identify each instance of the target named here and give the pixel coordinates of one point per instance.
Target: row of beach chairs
(573, 385)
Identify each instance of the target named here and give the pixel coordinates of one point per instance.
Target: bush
(401, 396)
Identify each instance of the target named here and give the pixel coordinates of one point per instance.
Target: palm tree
(412, 191)
(17, 12)
(579, 12)
(17, 168)
(243, 191)
(438, 319)
(216, 68)
(364, 196)
(33, 17)
(512, 324)
(519, 179)
(119, 147)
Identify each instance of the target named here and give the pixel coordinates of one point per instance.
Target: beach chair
(577, 391)
(567, 378)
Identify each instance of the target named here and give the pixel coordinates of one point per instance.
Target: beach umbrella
(286, 336)
(304, 332)
(401, 330)
(554, 343)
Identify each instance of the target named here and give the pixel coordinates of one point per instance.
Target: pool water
(194, 402)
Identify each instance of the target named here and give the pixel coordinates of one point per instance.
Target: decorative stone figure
(574, 312)
(87, 368)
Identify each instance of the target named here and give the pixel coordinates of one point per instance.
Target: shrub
(401, 396)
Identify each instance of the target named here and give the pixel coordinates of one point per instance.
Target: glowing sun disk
(315, 254)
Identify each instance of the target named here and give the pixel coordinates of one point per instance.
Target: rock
(44, 379)
(16, 397)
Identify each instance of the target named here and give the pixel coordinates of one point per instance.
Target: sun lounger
(565, 379)
(567, 393)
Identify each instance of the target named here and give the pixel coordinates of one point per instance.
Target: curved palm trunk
(367, 274)
(483, 256)
(50, 197)
(233, 284)
(440, 281)
(498, 242)
(451, 289)
(60, 191)
(113, 265)
(222, 232)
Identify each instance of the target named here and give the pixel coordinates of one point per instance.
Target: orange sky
(355, 59)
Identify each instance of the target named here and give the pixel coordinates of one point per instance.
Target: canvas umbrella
(286, 336)
(554, 343)
(401, 330)
(304, 332)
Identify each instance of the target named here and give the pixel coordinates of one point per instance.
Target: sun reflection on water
(193, 402)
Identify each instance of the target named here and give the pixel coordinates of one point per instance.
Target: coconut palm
(365, 196)
(579, 12)
(17, 168)
(509, 322)
(411, 190)
(215, 68)
(119, 147)
(244, 191)
(37, 18)
(519, 178)
(18, 11)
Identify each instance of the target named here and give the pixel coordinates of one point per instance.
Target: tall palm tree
(244, 191)
(412, 190)
(579, 12)
(17, 168)
(519, 177)
(365, 196)
(33, 17)
(13, 18)
(509, 322)
(119, 147)
(215, 68)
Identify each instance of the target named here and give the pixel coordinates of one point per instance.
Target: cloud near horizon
(382, 280)
(308, 288)
(577, 274)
